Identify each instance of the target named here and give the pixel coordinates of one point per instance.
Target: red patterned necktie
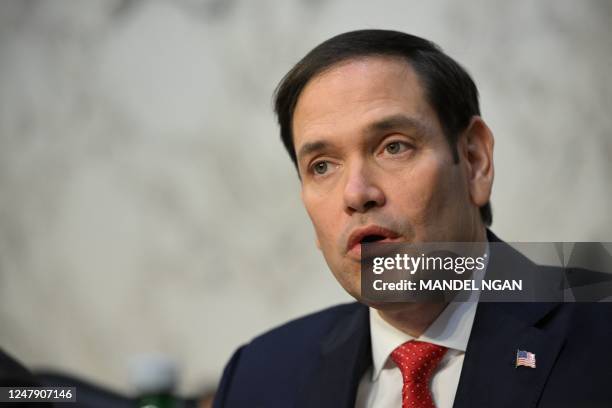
(417, 361)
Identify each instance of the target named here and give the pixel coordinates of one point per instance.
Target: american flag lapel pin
(525, 359)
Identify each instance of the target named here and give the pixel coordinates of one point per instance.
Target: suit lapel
(489, 377)
(345, 355)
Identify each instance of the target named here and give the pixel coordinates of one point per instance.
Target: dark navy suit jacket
(318, 360)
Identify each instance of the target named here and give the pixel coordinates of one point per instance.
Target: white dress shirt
(381, 385)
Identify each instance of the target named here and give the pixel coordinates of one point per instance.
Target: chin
(352, 287)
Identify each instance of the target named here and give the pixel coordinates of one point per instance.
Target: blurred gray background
(147, 204)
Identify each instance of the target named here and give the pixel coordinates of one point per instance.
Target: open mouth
(372, 238)
(367, 235)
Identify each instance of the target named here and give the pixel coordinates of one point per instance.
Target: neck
(411, 318)
(414, 318)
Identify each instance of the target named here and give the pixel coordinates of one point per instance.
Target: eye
(320, 167)
(395, 147)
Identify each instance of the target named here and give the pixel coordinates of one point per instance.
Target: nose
(361, 192)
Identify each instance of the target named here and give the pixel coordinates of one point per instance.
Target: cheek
(427, 192)
(323, 218)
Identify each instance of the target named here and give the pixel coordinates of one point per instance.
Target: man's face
(375, 164)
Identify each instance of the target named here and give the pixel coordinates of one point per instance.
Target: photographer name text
(452, 284)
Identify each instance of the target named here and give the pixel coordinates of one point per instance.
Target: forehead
(351, 95)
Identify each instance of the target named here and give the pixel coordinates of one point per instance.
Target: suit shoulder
(285, 356)
(593, 316)
(306, 329)
(292, 342)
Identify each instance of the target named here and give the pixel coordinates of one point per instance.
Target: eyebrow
(398, 121)
(385, 124)
(311, 147)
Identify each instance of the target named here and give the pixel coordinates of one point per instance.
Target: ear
(478, 155)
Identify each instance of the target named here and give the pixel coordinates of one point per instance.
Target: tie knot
(417, 360)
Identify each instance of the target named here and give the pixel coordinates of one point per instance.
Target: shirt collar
(451, 329)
